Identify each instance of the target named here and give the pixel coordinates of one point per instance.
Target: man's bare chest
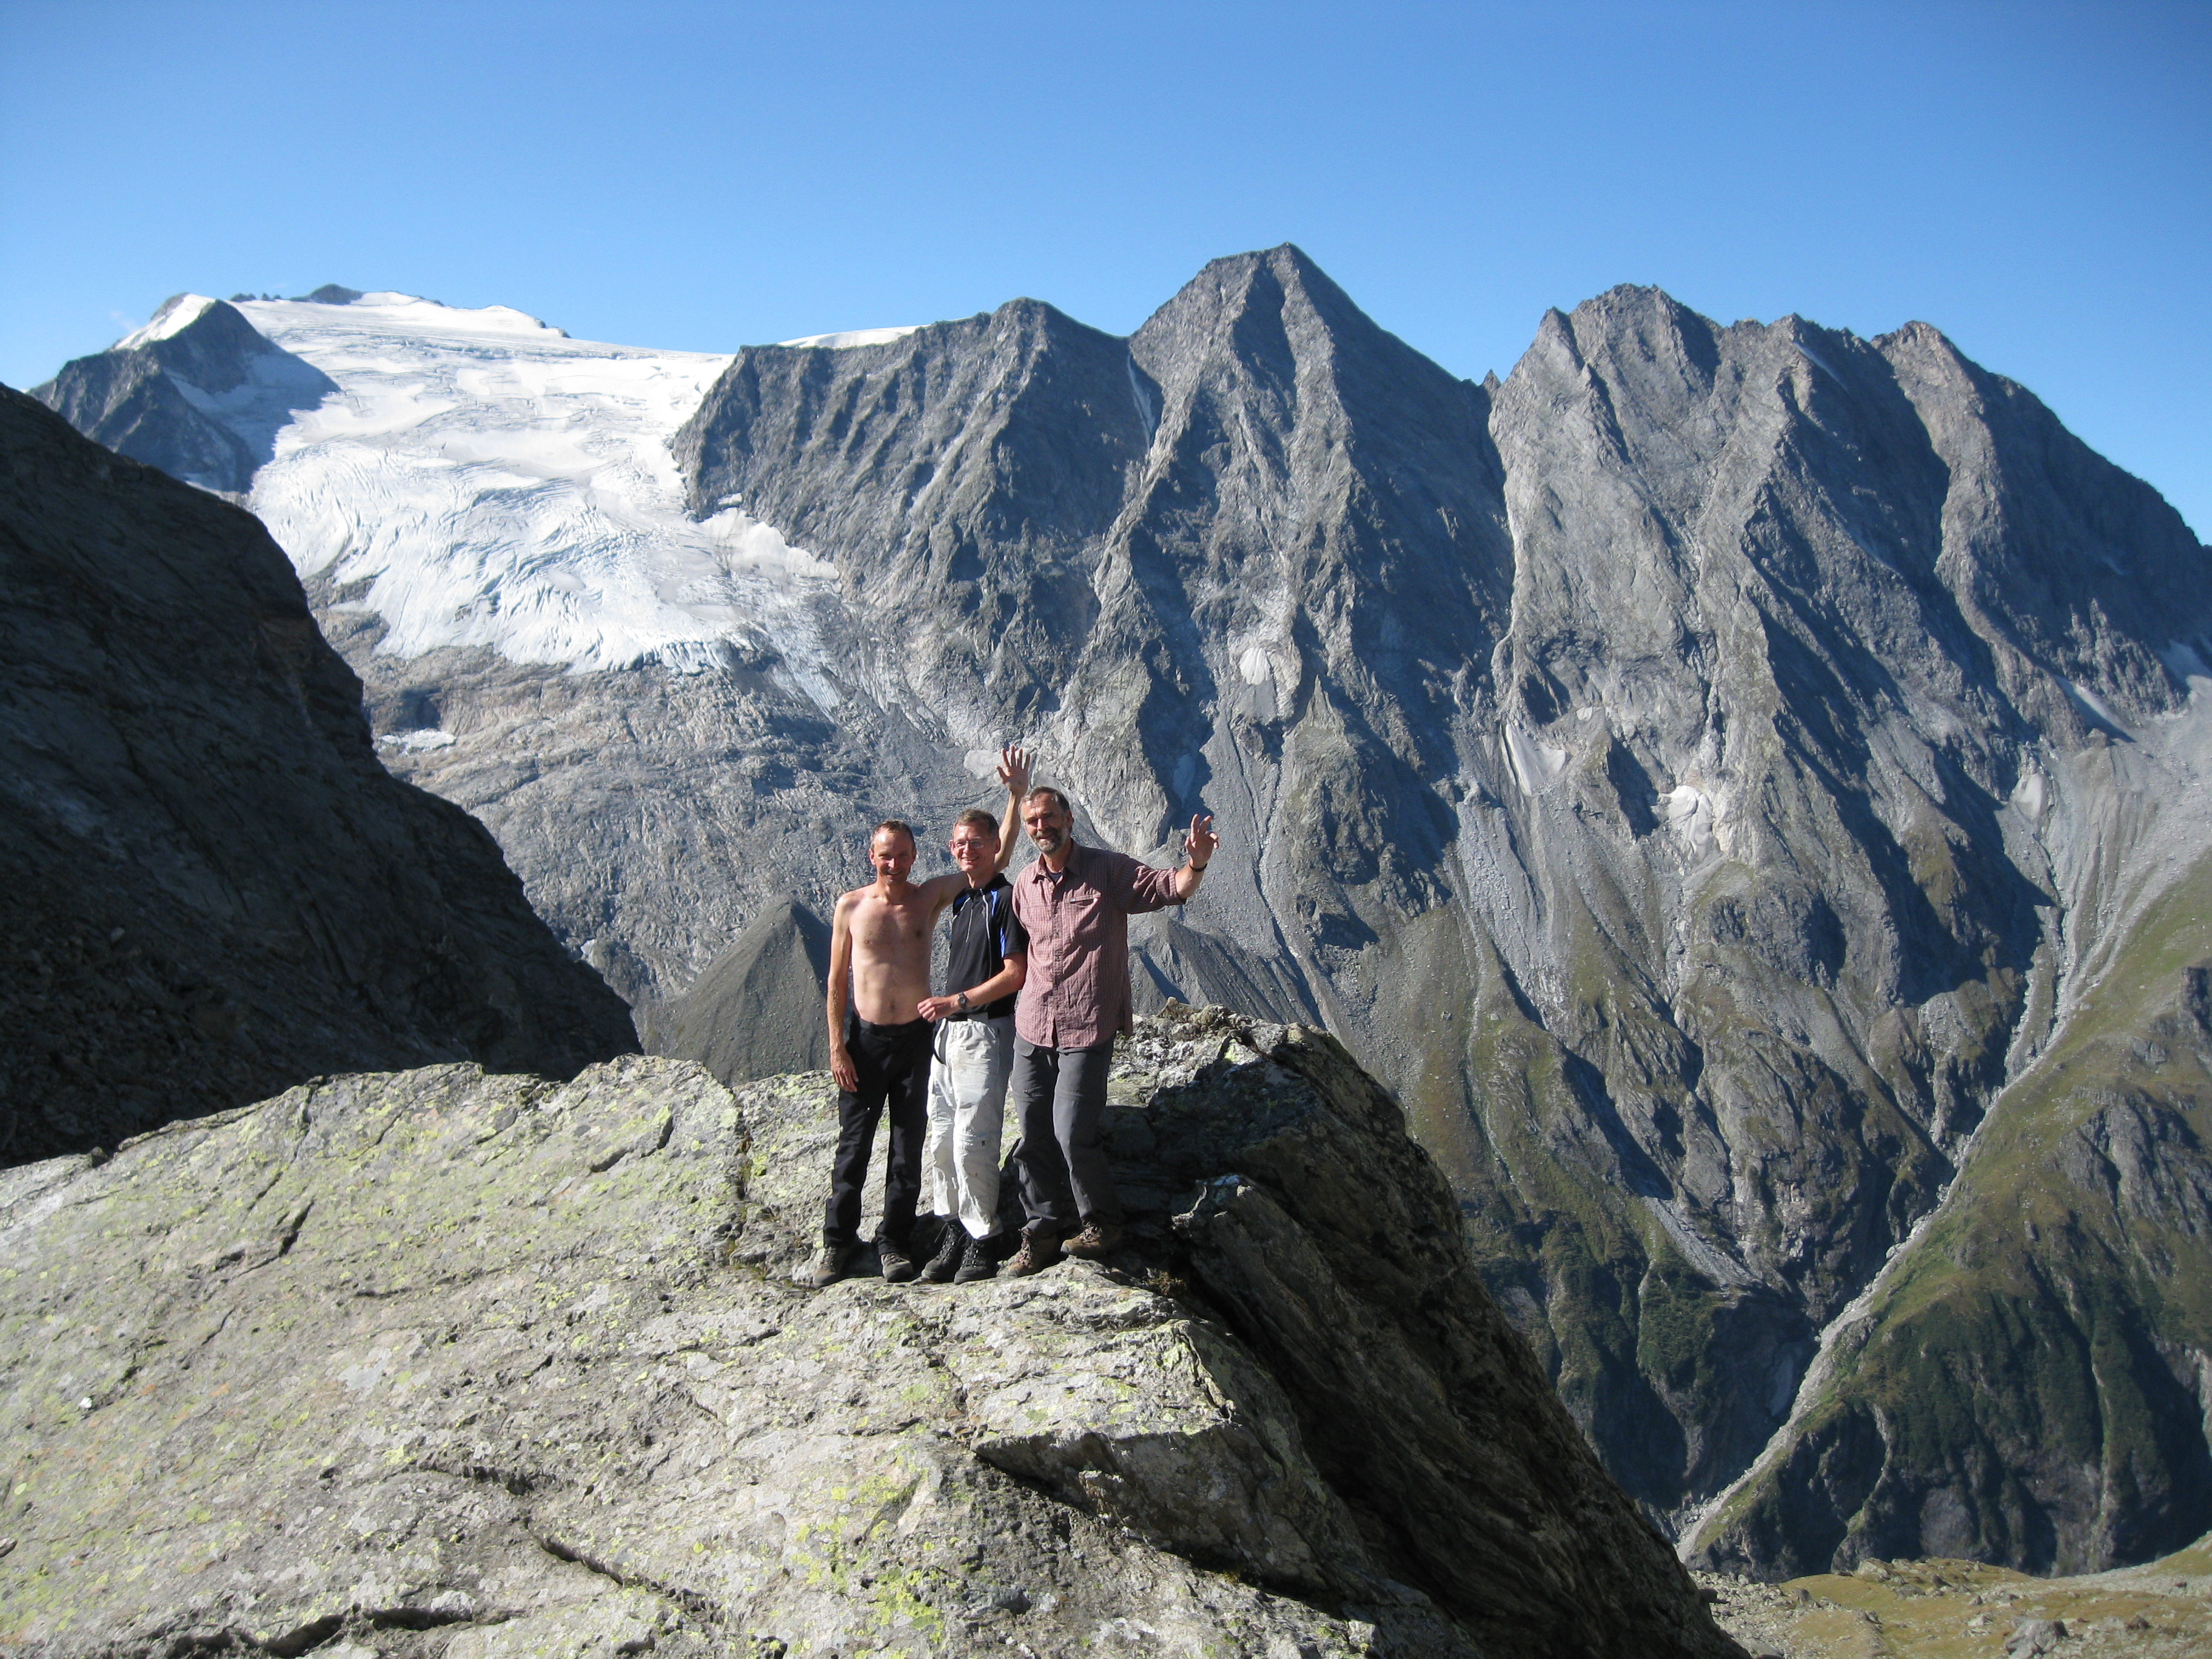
(891, 931)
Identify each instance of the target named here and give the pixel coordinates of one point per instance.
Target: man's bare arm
(941, 891)
(1014, 772)
(841, 991)
(1004, 983)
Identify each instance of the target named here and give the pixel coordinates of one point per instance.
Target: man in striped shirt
(1075, 903)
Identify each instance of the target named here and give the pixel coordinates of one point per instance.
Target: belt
(901, 1030)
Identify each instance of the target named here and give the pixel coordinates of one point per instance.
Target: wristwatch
(965, 1007)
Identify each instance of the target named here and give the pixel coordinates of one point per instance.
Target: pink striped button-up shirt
(1076, 994)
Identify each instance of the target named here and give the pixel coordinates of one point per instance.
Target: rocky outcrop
(466, 1366)
(208, 887)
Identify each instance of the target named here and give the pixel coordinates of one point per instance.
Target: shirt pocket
(1081, 909)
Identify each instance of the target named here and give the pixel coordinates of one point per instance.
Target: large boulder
(475, 1366)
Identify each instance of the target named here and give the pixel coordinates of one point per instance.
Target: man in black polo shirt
(972, 1054)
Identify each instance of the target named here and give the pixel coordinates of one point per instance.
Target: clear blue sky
(2035, 179)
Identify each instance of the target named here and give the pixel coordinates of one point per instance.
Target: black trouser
(1061, 1096)
(892, 1066)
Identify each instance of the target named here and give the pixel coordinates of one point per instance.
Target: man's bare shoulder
(848, 902)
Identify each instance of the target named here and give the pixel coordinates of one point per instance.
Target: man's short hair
(1046, 792)
(977, 820)
(899, 824)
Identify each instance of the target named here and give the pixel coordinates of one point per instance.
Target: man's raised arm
(1014, 772)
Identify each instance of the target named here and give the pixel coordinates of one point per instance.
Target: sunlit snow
(1536, 766)
(175, 315)
(852, 337)
(496, 483)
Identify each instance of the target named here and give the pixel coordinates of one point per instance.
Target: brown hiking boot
(1095, 1240)
(836, 1262)
(1039, 1250)
(890, 1255)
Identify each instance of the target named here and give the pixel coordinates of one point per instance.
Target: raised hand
(1200, 843)
(1014, 770)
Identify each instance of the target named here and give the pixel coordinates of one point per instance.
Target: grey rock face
(208, 887)
(1697, 773)
(524, 1369)
(204, 403)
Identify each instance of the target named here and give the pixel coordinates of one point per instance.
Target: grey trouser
(1060, 1094)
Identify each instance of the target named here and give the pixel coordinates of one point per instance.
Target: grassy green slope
(2034, 1380)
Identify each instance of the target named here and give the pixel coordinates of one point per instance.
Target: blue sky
(2035, 179)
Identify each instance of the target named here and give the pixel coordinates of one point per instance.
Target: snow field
(497, 484)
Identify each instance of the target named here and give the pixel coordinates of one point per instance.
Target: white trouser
(969, 1062)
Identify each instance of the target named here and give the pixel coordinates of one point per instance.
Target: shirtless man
(879, 1041)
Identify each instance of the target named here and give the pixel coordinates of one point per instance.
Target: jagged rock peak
(199, 392)
(1260, 304)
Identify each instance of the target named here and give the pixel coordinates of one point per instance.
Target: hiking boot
(1039, 1250)
(834, 1263)
(897, 1265)
(975, 1263)
(1095, 1240)
(952, 1250)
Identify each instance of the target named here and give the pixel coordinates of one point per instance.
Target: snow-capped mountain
(1728, 780)
(477, 478)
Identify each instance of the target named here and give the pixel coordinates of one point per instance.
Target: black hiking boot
(952, 1249)
(975, 1263)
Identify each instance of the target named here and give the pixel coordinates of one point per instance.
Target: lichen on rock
(470, 1365)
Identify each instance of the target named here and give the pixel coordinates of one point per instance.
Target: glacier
(483, 480)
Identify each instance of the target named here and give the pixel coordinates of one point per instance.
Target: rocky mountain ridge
(1702, 773)
(212, 888)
